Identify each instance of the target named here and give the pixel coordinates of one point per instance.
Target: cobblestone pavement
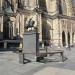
(9, 65)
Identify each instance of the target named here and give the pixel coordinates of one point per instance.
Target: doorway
(7, 29)
(68, 39)
(63, 39)
(73, 37)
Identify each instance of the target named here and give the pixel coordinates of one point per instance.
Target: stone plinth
(30, 45)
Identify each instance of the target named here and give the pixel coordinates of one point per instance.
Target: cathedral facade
(54, 20)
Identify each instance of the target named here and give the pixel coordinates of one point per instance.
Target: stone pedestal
(30, 45)
(21, 57)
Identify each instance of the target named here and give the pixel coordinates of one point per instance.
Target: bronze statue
(30, 24)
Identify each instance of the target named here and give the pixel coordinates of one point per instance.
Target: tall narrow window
(42, 5)
(20, 4)
(60, 7)
(64, 8)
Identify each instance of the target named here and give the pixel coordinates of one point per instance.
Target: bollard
(21, 57)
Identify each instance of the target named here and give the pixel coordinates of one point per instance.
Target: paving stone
(9, 64)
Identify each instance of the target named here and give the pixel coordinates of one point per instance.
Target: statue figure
(8, 7)
(30, 24)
